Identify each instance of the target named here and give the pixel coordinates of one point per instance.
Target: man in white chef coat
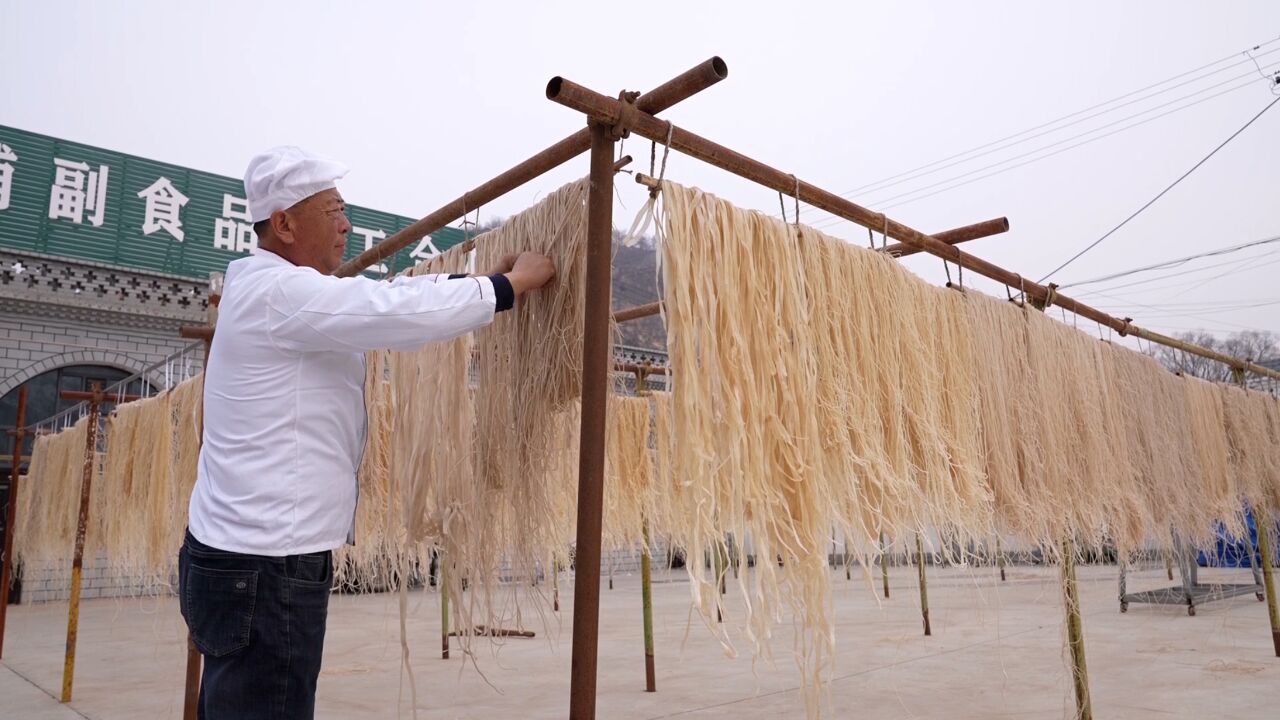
(284, 430)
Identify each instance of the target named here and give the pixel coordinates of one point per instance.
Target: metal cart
(1191, 592)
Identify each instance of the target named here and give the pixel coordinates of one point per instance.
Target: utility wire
(835, 219)
(1173, 263)
(999, 145)
(1161, 194)
(1079, 112)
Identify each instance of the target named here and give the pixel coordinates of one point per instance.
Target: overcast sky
(425, 100)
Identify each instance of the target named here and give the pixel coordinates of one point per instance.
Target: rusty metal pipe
(10, 511)
(82, 528)
(986, 228)
(681, 87)
(639, 311)
(607, 110)
(595, 391)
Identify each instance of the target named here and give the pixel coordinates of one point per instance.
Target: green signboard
(64, 198)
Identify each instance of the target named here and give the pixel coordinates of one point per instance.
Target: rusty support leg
(1266, 558)
(924, 586)
(1075, 632)
(191, 684)
(82, 526)
(595, 388)
(10, 511)
(195, 662)
(1000, 558)
(6, 564)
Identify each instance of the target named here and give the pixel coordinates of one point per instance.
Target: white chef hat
(284, 176)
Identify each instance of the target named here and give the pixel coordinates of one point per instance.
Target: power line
(1235, 264)
(835, 219)
(1081, 135)
(1161, 194)
(998, 145)
(1174, 263)
(1074, 114)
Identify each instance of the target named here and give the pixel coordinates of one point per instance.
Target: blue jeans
(259, 623)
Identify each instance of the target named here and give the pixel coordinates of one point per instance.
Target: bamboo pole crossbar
(610, 111)
(682, 87)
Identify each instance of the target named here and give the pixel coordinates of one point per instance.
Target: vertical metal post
(444, 607)
(555, 584)
(82, 526)
(646, 595)
(10, 511)
(595, 388)
(1075, 631)
(1000, 558)
(884, 565)
(924, 586)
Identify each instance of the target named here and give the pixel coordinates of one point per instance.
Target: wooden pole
(924, 585)
(884, 565)
(195, 661)
(646, 570)
(1075, 632)
(444, 606)
(10, 511)
(719, 565)
(1266, 558)
(82, 526)
(646, 595)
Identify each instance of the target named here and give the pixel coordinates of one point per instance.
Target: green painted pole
(444, 608)
(1075, 632)
(924, 585)
(884, 565)
(1267, 559)
(646, 593)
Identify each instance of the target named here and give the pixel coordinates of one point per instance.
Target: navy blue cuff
(503, 292)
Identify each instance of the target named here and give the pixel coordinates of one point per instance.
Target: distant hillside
(635, 283)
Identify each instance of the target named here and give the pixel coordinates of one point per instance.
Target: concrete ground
(996, 652)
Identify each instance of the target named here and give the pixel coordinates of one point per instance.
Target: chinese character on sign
(369, 237)
(233, 231)
(76, 189)
(164, 208)
(425, 250)
(7, 156)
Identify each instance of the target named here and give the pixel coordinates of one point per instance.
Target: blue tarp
(1231, 551)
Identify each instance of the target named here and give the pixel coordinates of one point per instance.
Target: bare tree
(1247, 345)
